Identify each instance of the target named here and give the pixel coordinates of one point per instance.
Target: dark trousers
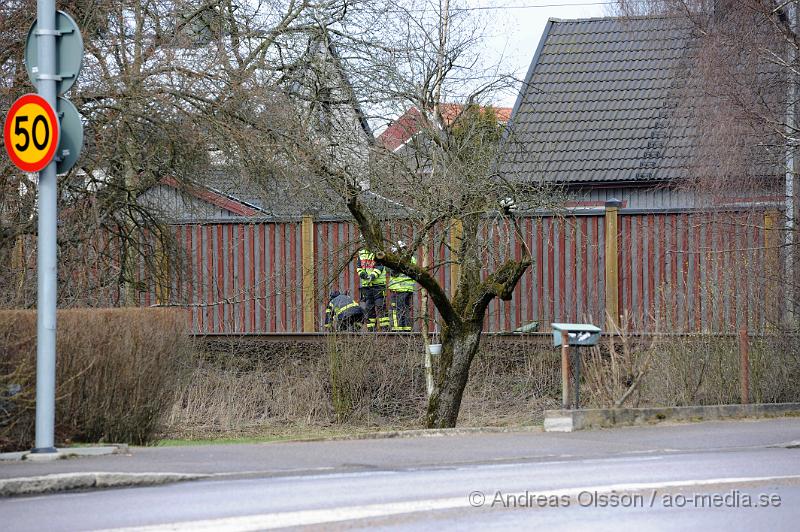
(402, 303)
(350, 321)
(374, 300)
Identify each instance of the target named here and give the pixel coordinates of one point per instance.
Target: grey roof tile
(599, 92)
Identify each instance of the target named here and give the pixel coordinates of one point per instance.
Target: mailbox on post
(578, 334)
(564, 336)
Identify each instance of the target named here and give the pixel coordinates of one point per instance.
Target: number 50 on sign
(31, 133)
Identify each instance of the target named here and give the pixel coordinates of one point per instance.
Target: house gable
(600, 104)
(194, 202)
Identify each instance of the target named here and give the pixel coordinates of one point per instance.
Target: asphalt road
(732, 476)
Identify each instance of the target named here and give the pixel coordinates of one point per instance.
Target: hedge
(116, 370)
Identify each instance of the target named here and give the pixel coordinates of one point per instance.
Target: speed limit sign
(31, 133)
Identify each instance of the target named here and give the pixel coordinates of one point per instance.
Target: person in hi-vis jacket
(372, 278)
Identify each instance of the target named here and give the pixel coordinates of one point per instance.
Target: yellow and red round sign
(31, 133)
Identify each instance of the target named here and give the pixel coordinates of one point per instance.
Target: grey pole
(791, 119)
(46, 266)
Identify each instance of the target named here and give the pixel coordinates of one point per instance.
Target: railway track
(537, 338)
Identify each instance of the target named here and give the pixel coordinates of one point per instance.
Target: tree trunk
(459, 345)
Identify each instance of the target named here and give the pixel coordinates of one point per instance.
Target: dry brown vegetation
(369, 381)
(127, 375)
(115, 373)
(690, 370)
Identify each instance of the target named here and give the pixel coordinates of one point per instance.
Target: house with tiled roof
(600, 112)
(224, 192)
(410, 123)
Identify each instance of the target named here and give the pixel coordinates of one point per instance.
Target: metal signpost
(44, 133)
(46, 253)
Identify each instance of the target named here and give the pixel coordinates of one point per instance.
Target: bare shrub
(365, 381)
(235, 385)
(241, 386)
(374, 380)
(115, 372)
(705, 369)
(512, 381)
(668, 369)
(694, 370)
(683, 370)
(775, 369)
(614, 372)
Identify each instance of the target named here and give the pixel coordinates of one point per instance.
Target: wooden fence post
(744, 366)
(309, 321)
(456, 232)
(18, 268)
(612, 268)
(566, 400)
(772, 267)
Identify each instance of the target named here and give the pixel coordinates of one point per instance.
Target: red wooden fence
(677, 271)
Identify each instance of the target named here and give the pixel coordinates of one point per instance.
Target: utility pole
(444, 26)
(791, 136)
(46, 35)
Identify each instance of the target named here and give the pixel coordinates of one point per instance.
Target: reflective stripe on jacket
(338, 311)
(341, 306)
(369, 272)
(400, 282)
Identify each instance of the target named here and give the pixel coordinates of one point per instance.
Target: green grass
(290, 434)
(312, 433)
(221, 440)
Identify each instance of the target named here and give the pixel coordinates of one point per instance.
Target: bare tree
(164, 84)
(739, 93)
(426, 53)
(282, 91)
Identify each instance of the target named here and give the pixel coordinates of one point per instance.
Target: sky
(516, 27)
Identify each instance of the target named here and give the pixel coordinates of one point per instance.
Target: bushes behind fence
(116, 371)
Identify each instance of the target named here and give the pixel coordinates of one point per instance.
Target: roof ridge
(615, 18)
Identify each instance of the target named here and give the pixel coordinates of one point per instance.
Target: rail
(536, 337)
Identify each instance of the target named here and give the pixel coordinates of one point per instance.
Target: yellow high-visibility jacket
(369, 273)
